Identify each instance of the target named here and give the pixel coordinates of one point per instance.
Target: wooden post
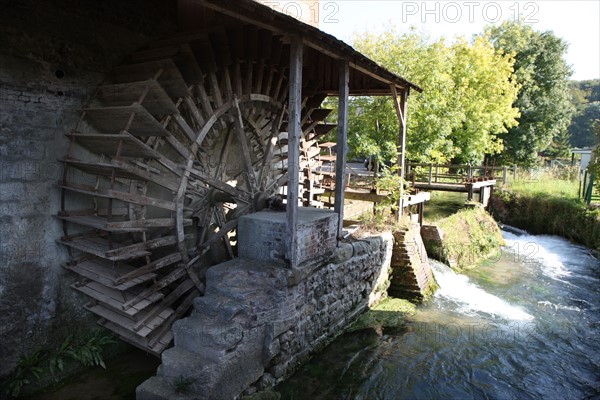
(294, 119)
(437, 172)
(401, 108)
(342, 141)
(504, 175)
(430, 173)
(515, 173)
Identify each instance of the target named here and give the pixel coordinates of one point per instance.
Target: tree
(466, 102)
(586, 99)
(594, 167)
(544, 99)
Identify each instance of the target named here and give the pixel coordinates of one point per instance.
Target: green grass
(470, 236)
(546, 186)
(549, 213)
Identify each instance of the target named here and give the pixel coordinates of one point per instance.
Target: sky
(577, 22)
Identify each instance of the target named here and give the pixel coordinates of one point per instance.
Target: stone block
(263, 235)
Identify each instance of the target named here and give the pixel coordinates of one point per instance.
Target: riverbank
(526, 323)
(464, 239)
(543, 213)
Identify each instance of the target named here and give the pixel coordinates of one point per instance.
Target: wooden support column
(400, 104)
(342, 144)
(294, 128)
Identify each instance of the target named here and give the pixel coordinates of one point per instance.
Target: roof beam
(264, 17)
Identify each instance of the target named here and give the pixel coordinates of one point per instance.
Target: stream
(524, 325)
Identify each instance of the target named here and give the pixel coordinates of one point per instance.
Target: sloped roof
(366, 76)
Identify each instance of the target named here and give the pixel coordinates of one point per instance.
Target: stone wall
(52, 57)
(259, 320)
(412, 278)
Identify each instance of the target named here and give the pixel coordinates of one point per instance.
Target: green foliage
(470, 236)
(586, 99)
(466, 103)
(85, 349)
(27, 370)
(560, 182)
(542, 213)
(594, 166)
(544, 98)
(390, 182)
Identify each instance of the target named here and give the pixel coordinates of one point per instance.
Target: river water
(525, 325)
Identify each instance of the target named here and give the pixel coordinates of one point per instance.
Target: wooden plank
(127, 197)
(342, 145)
(365, 196)
(182, 55)
(96, 222)
(183, 125)
(170, 79)
(294, 128)
(323, 129)
(180, 311)
(142, 246)
(444, 187)
(106, 273)
(164, 305)
(327, 145)
(401, 107)
(113, 120)
(121, 169)
(156, 99)
(128, 323)
(114, 299)
(328, 158)
(100, 247)
(175, 275)
(318, 114)
(149, 268)
(108, 144)
(137, 341)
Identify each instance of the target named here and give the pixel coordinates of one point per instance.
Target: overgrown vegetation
(85, 349)
(545, 213)
(470, 236)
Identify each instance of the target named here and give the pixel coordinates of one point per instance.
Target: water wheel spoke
(223, 187)
(223, 230)
(220, 214)
(243, 141)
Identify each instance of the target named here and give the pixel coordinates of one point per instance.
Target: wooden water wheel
(179, 142)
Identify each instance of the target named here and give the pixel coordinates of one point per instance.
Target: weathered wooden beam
(342, 142)
(294, 128)
(401, 109)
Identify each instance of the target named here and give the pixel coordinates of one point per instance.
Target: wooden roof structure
(322, 52)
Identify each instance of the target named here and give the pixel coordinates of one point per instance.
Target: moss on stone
(470, 236)
(389, 313)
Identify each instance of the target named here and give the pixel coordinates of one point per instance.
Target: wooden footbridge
(462, 178)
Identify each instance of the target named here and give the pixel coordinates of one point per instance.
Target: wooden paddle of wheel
(175, 147)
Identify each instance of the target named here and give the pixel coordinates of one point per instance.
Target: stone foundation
(259, 320)
(412, 278)
(262, 235)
